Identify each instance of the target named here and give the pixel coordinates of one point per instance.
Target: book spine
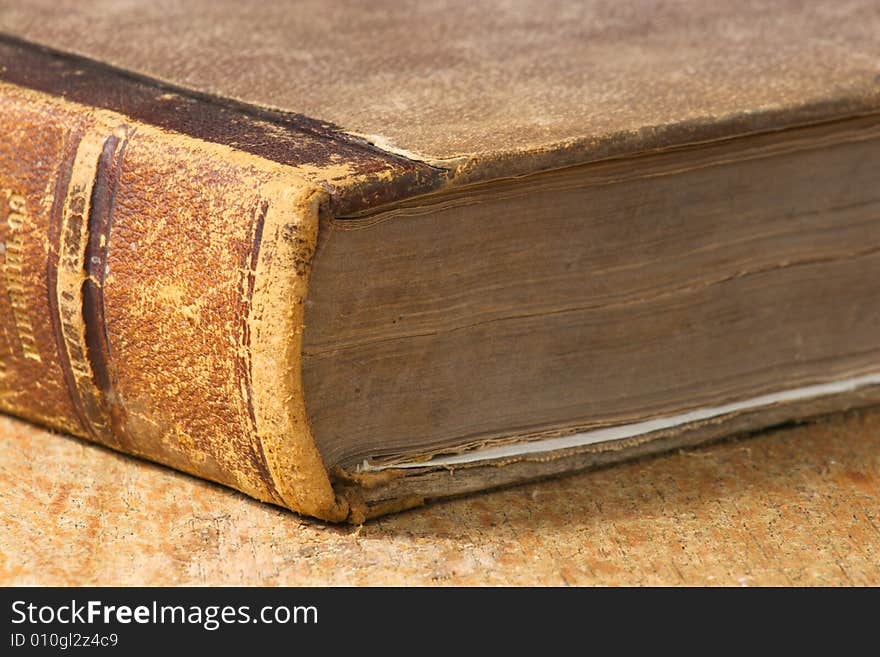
(151, 296)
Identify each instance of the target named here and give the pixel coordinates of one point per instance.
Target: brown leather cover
(155, 261)
(154, 287)
(495, 88)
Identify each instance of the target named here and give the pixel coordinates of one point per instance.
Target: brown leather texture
(154, 287)
(492, 88)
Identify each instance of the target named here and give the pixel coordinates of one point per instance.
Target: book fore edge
(618, 434)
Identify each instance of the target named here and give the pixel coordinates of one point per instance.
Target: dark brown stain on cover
(100, 220)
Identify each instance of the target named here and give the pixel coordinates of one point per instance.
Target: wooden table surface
(798, 505)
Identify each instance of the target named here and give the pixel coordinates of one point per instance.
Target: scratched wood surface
(799, 505)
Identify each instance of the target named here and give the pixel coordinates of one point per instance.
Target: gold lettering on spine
(13, 268)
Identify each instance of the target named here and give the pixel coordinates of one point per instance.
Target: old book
(350, 258)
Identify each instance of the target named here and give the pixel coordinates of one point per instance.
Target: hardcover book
(349, 257)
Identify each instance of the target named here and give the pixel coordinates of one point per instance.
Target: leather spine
(152, 293)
